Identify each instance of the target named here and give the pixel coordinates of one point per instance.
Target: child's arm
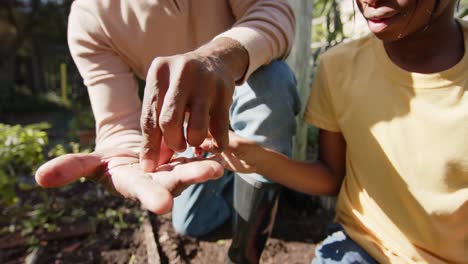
(322, 177)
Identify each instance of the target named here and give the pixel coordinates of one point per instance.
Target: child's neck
(435, 49)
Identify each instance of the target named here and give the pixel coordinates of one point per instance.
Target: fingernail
(148, 165)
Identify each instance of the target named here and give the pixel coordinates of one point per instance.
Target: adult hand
(241, 155)
(119, 172)
(199, 83)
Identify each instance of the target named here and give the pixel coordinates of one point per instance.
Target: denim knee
(340, 248)
(264, 108)
(202, 207)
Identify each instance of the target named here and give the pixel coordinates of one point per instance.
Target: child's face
(392, 20)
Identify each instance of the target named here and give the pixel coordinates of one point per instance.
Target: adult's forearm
(117, 111)
(123, 139)
(118, 128)
(230, 52)
(265, 28)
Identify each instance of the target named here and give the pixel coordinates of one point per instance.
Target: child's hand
(241, 155)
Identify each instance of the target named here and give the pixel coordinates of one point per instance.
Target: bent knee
(196, 223)
(276, 74)
(275, 85)
(183, 228)
(191, 226)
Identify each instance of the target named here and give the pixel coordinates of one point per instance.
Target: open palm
(119, 171)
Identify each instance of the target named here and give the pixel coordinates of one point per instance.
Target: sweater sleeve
(110, 82)
(265, 28)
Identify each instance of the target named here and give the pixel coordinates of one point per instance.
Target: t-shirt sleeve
(111, 84)
(265, 28)
(319, 109)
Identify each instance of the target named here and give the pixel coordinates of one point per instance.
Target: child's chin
(386, 36)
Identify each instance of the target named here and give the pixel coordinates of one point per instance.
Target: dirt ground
(300, 224)
(114, 239)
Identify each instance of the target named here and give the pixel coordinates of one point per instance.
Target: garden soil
(300, 224)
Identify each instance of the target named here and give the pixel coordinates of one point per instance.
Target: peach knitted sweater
(111, 41)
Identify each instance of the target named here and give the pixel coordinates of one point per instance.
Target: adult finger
(197, 127)
(172, 111)
(157, 82)
(200, 104)
(219, 122)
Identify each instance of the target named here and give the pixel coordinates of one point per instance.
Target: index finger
(219, 126)
(157, 83)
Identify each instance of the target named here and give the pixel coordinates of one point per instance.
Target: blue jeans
(263, 110)
(340, 248)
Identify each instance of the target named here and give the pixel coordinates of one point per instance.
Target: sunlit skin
(198, 85)
(119, 171)
(408, 27)
(201, 83)
(405, 26)
(418, 36)
(392, 20)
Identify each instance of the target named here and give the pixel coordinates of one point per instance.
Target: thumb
(68, 168)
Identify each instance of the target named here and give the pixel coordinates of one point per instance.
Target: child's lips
(377, 19)
(377, 24)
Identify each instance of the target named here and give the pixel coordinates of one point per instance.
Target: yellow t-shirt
(405, 194)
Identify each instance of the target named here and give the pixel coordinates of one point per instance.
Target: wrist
(261, 159)
(230, 53)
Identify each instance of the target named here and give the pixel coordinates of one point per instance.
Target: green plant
(31, 211)
(312, 136)
(21, 152)
(117, 218)
(330, 26)
(463, 13)
(73, 147)
(462, 9)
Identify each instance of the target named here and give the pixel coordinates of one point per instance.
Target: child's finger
(207, 146)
